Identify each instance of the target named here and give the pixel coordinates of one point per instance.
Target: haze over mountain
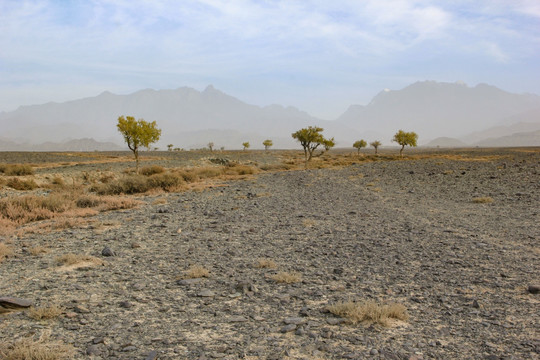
(435, 109)
(190, 118)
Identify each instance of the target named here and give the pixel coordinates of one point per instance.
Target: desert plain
(249, 255)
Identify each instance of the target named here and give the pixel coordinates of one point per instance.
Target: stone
(152, 355)
(187, 282)
(206, 293)
(295, 320)
(107, 251)
(93, 350)
(288, 328)
(534, 289)
(13, 303)
(235, 319)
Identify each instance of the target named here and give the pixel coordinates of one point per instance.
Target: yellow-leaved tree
(404, 138)
(137, 134)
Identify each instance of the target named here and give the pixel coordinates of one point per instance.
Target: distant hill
(445, 142)
(530, 138)
(434, 109)
(190, 118)
(178, 113)
(70, 145)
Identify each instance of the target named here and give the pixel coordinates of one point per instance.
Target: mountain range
(190, 118)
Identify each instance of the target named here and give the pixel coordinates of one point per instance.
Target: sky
(319, 56)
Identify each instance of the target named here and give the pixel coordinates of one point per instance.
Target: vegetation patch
(16, 169)
(29, 349)
(287, 277)
(19, 184)
(265, 264)
(482, 200)
(45, 313)
(151, 170)
(369, 312)
(75, 259)
(5, 251)
(196, 271)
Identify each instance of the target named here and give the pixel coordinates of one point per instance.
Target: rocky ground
(402, 231)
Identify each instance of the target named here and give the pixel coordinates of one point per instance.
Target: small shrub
(196, 272)
(287, 277)
(239, 170)
(5, 251)
(265, 264)
(87, 201)
(483, 200)
(16, 169)
(151, 170)
(73, 259)
(38, 250)
(45, 313)
(369, 312)
(130, 184)
(29, 349)
(189, 176)
(57, 180)
(166, 181)
(208, 172)
(18, 184)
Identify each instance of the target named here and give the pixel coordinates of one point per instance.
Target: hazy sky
(320, 56)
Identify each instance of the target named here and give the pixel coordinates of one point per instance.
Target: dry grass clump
(16, 169)
(151, 170)
(5, 251)
(369, 312)
(45, 313)
(74, 259)
(29, 349)
(38, 250)
(19, 184)
(482, 200)
(136, 184)
(287, 277)
(196, 271)
(276, 167)
(265, 264)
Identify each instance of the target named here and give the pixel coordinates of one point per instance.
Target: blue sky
(320, 56)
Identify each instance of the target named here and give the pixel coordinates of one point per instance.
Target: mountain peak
(209, 88)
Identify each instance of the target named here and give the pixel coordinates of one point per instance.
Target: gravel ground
(402, 231)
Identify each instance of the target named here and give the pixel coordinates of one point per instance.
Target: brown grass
(16, 211)
(18, 184)
(196, 271)
(482, 200)
(151, 170)
(29, 349)
(74, 259)
(287, 277)
(369, 312)
(45, 313)
(38, 250)
(16, 169)
(265, 264)
(5, 251)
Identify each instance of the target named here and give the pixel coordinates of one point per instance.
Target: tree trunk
(401, 151)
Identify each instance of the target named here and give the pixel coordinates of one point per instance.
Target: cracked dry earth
(404, 231)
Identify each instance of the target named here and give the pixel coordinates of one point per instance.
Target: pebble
(288, 328)
(534, 289)
(206, 293)
(107, 252)
(295, 320)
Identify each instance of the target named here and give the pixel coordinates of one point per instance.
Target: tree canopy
(311, 138)
(359, 144)
(404, 138)
(267, 144)
(137, 134)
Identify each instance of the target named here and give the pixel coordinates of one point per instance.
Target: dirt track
(402, 231)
